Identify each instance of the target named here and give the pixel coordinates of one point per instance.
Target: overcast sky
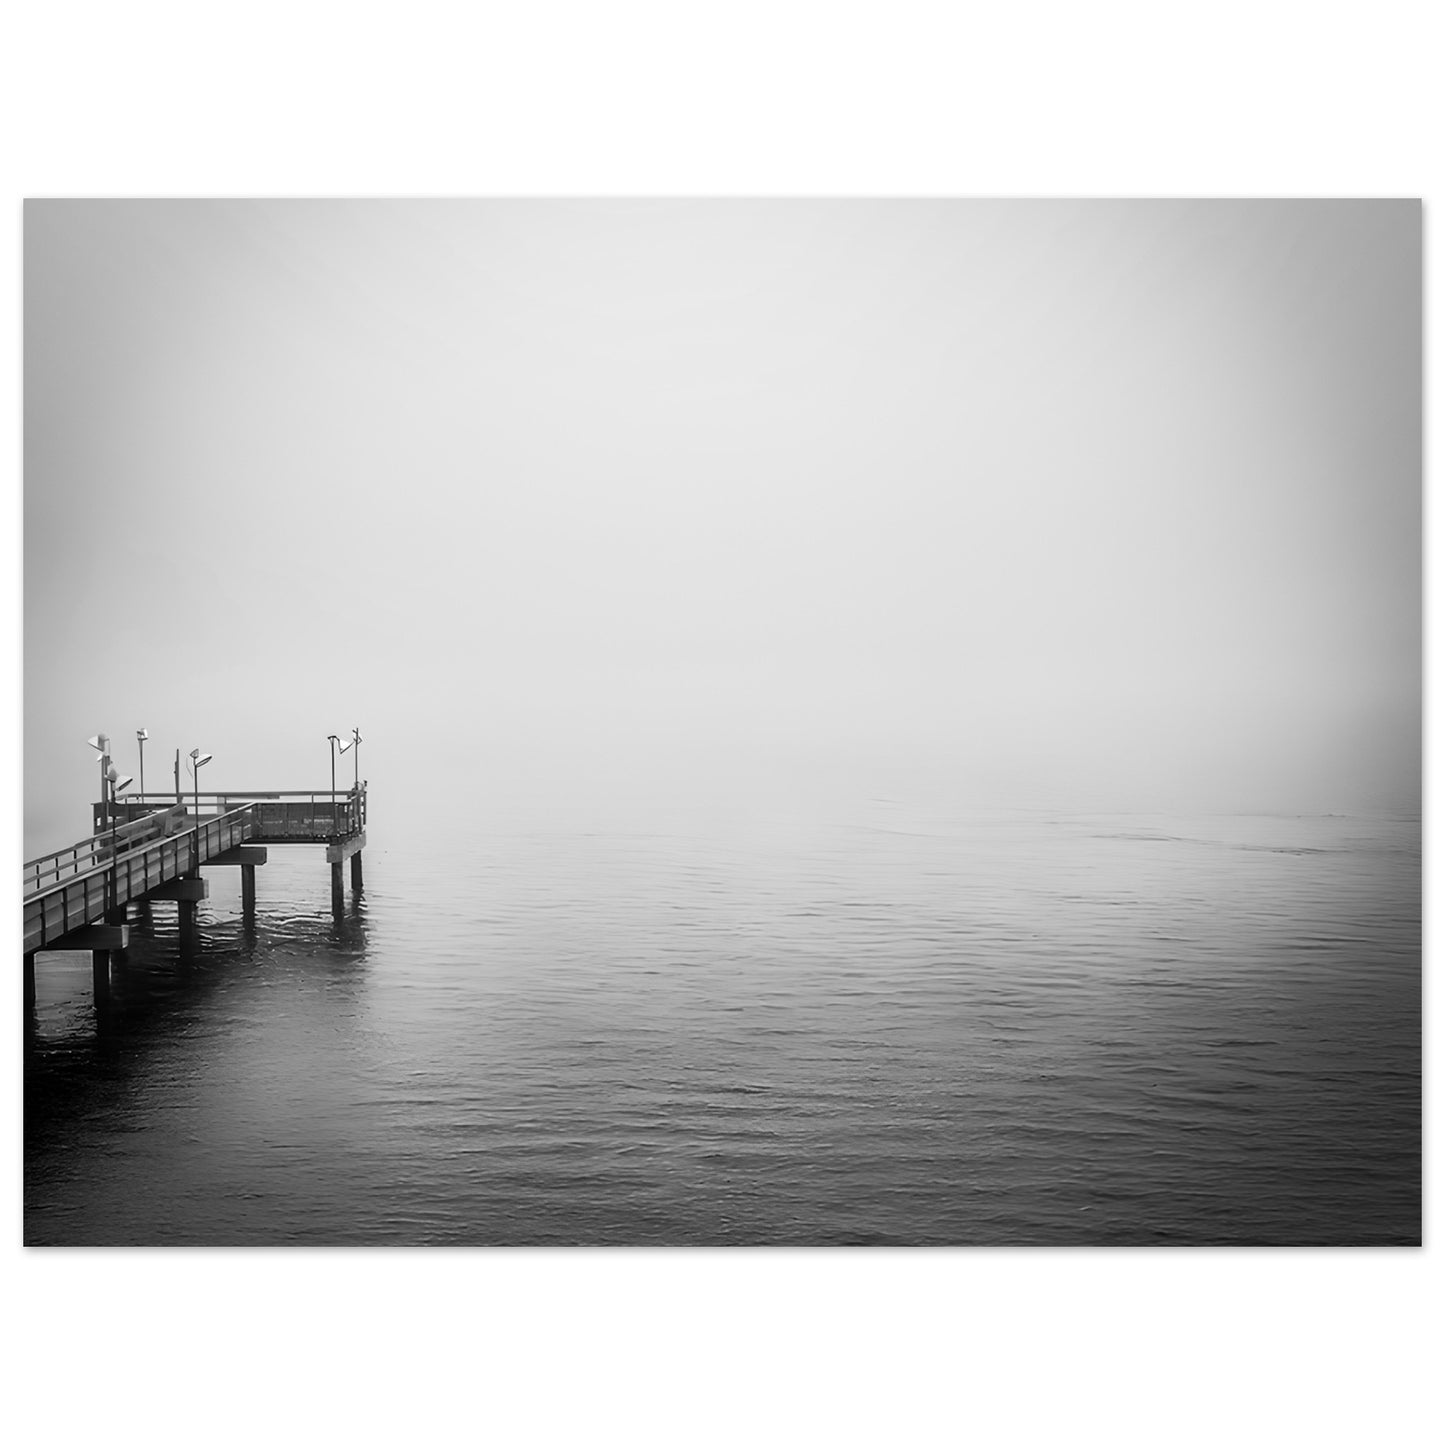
(1096, 504)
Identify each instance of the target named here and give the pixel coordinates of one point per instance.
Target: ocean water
(895, 1027)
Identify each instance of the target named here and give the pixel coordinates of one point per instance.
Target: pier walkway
(152, 849)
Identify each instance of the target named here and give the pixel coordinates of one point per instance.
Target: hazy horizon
(570, 503)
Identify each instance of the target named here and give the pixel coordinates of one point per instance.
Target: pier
(151, 849)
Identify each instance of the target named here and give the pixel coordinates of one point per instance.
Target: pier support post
(186, 892)
(188, 929)
(117, 917)
(100, 974)
(29, 980)
(336, 854)
(248, 889)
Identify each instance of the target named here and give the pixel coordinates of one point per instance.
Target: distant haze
(568, 504)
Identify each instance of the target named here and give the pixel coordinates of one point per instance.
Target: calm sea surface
(1003, 1028)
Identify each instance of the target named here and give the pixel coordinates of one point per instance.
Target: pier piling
(189, 929)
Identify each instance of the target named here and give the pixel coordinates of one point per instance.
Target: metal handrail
(100, 888)
(51, 865)
(82, 857)
(78, 856)
(134, 799)
(134, 855)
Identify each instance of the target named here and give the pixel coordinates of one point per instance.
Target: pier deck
(153, 848)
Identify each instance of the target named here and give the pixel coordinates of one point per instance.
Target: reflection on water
(117, 1077)
(890, 1028)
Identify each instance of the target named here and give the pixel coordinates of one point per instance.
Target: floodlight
(141, 734)
(345, 745)
(118, 784)
(99, 742)
(198, 761)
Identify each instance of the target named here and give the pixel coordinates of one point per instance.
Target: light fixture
(118, 784)
(333, 740)
(101, 743)
(198, 761)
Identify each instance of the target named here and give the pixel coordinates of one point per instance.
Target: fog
(736, 504)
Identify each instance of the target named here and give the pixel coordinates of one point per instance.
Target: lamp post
(198, 761)
(140, 737)
(347, 743)
(118, 785)
(101, 743)
(333, 740)
(356, 743)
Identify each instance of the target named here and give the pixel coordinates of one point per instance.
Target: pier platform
(152, 848)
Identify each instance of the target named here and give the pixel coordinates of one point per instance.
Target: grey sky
(1115, 504)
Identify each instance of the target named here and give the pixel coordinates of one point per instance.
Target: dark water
(1018, 1028)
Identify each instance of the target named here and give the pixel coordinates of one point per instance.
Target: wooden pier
(152, 849)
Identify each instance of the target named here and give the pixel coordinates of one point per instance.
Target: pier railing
(309, 816)
(82, 856)
(67, 862)
(63, 906)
